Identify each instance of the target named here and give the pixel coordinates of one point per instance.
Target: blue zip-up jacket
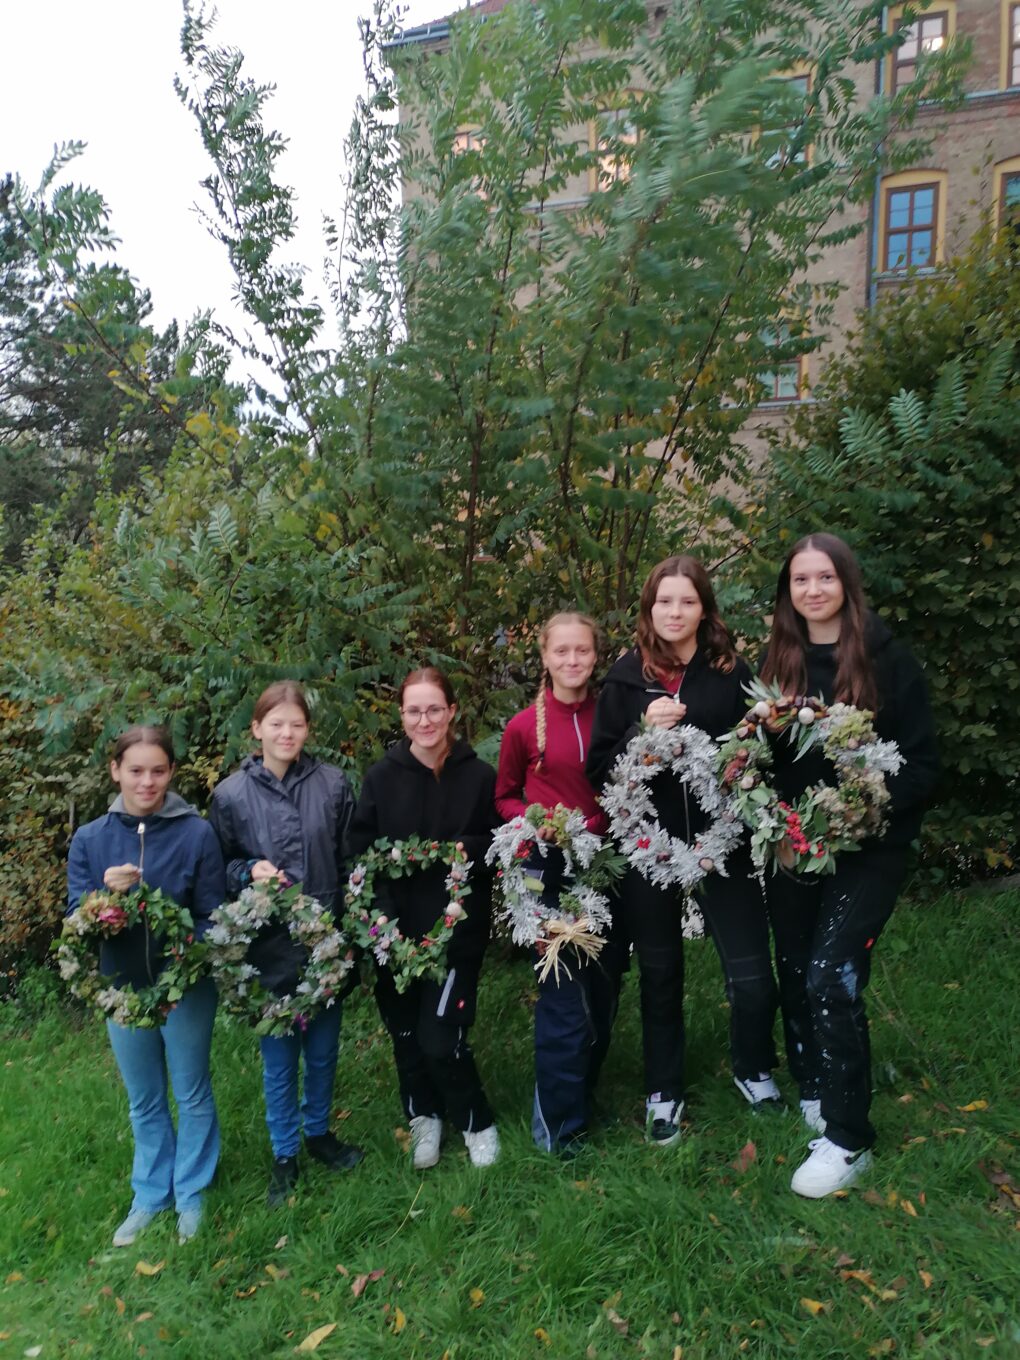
(182, 859)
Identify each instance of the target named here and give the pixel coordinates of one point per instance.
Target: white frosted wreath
(583, 913)
(690, 756)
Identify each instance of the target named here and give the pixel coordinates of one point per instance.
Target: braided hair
(546, 680)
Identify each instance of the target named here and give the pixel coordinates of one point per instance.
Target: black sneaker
(328, 1150)
(282, 1181)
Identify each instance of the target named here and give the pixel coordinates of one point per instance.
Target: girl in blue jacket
(282, 817)
(183, 860)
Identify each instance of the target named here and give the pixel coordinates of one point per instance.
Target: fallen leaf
(281, 1242)
(15, 1277)
(885, 1347)
(461, 1211)
(5, 1336)
(745, 1157)
(979, 1340)
(148, 1268)
(121, 1306)
(908, 1208)
(477, 1297)
(615, 1321)
(403, 1137)
(342, 1114)
(813, 1306)
(342, 1270)
(712, 1219)
(678, 1353)
(974, 1105)
(218, 1265)
(362, 1281)
(145, 1317)
(315, 1339)
(246, 1293)
(865, 1276)
(275, 1273)
(926, 1279)
(399, 1320)
(33, 1351)
(905, 1100)
(844, 1260)
(542, 1335)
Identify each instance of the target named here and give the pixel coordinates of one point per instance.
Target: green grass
(630, 1252)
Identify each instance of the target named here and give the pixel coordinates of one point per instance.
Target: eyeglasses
(415, 715)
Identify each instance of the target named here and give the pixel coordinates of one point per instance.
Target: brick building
(915, 217)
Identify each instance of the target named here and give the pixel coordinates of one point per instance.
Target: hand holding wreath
(103, 915)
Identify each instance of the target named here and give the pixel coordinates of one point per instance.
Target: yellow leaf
(980, 1340)
(926, 1279)
(542, 1335)
(315, 1339)
(908, 1208)
(678, 1353)
(461, 1211)
(477, 1297)
(147, 1268)
(987, 540)
(275, 1273)
(15, 1277)
(145, 1317)
(813, 1306)
(121, 1306)
(399, 1320)
(974, 1105)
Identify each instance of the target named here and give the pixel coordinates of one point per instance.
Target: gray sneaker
(136, 1222)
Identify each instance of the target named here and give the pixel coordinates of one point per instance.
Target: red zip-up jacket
(561, 778)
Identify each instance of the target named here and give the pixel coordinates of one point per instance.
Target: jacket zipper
(580, 739)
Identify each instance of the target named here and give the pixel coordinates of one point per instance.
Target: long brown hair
(713, 635)
(543, 637)
(432, 675)
(281, 692)
(786, 663)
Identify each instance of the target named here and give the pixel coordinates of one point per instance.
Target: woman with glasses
(432, 784)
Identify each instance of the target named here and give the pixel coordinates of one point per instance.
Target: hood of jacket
(628, 670)
(400, 755)
(173, 806)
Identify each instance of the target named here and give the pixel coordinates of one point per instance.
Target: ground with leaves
(695, 1253)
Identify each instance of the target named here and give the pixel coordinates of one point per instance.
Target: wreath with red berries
(806, 836)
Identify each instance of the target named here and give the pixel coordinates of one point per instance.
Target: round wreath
(236, 926)
(378, 935)
(583, 911)
(104, 915)
(690, 755)
(806, 836)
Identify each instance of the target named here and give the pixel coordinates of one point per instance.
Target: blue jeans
(171, 1168)
(281, 1058)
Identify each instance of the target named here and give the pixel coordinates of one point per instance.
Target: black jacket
(715, 702)
(904, 716)
(401, 797)
(298, 823)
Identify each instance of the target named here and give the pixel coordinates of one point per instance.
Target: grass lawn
(699, 1252)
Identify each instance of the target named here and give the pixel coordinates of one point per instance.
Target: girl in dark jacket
(283, 816)
(154, 833)
(541, 760)
(826, 644)
(684, 670)
(433, 785)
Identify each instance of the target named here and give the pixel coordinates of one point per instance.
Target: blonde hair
(543, 684)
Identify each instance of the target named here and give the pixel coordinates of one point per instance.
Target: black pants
(825, 930)
(736, 919)
(428, 1025)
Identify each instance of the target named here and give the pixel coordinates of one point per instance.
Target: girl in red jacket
(541, 760)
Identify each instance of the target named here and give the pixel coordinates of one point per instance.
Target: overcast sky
(102, 73)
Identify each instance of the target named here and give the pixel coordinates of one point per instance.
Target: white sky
(102, 73)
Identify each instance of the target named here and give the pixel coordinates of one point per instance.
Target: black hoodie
(715, 702)
(904, 716)
(401, 797)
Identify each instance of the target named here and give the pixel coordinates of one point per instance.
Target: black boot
(328, 1150)
(282, 1180)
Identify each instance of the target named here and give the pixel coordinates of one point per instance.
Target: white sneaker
(812, 1113)
(662, 1121)
(829, 1168)
(483, 1146)
(760, 1090)
(426, 1139)
(137, 1221)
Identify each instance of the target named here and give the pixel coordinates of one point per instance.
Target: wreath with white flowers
(378, 935)
(805, 837)
(236, 927)
(583, 912)
(690, 755)
(104, 915)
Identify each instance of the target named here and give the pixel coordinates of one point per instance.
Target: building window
(1013, 68)
(925, 35)
(786, 379)
(1009, 200)
(467, 139)
(800, 88)
(615, 134)
(911, 226)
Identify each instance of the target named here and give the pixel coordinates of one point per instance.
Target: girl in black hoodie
(684, 670)
(826, 644)
(432, 785)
